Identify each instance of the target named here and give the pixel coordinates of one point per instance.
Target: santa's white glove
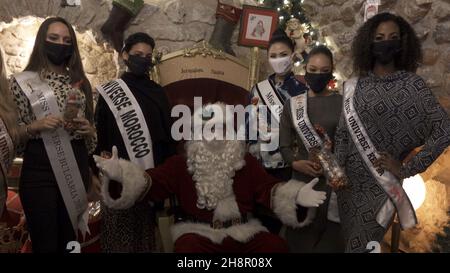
(110, 169)
(308, 197)
(132, 177)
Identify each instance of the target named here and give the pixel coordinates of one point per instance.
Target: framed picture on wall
(257, 26)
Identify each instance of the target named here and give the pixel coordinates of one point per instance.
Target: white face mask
(281, 65)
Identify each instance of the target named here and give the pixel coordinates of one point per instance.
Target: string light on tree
(293, 9)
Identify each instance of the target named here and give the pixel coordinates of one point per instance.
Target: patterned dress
(400, 113)
(133, 230)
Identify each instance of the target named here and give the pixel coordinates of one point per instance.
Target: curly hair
(363, 58)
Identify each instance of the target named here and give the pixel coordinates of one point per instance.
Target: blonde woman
(10, 134)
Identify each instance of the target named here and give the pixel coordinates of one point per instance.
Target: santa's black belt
(217, 224)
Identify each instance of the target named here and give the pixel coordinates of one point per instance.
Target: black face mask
(58, 54)
(386, 51)
(139, 66)
(318, 81)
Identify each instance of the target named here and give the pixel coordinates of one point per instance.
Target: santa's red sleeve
(165, 178)
(281, 197)
(155, 184)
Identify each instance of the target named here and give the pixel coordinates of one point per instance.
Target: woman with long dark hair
(388, 111)
(54, 101)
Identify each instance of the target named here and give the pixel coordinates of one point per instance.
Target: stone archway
(20, 21)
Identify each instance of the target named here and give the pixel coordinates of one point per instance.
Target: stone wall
(20, 20)
(174, 24)
(17, 40)
(177, 24)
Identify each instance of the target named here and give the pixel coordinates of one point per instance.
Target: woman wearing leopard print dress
(54, 83)
(132, 230)
(388, 111)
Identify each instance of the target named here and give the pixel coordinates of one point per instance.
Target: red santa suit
(210, 230)
(217, 188)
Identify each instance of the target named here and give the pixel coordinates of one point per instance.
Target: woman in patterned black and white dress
(399, 113)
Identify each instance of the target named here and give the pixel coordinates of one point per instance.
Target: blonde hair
(8, 110)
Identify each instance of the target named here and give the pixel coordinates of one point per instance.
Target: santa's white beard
(213, 170)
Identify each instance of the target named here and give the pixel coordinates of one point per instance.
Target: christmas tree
(290, 9)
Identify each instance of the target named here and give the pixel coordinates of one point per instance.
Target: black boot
(116, 24)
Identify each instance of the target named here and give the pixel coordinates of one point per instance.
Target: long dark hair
(363, 58)
(39, 61)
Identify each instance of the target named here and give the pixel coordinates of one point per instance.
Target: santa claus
(217, 184)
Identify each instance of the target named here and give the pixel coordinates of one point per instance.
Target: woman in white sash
(282, 85)
(10, 134)
(323, 108)
(56, 61)
(399, 113)
(132, 230)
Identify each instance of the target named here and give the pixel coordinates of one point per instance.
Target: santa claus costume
(217, 184)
